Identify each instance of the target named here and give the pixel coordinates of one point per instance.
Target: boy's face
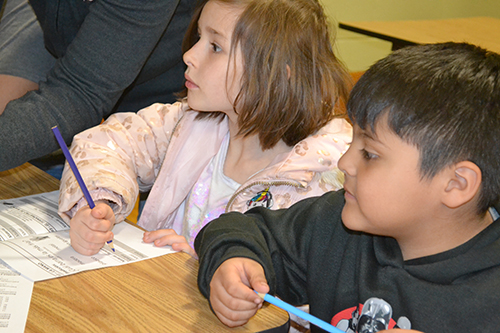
(384, 191)
(211, 86)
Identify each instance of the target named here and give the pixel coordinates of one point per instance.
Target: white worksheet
(35, 246)
(31, 215)
(46, 253)
(15, 298)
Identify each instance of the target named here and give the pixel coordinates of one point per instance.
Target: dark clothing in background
(112, 55)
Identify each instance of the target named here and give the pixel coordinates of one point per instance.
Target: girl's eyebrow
(215, 32)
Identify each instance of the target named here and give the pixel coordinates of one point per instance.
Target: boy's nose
(345, 164)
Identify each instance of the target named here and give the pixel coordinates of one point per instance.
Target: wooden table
(154, 295)
(481, 31)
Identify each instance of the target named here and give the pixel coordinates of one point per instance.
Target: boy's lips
(189, 83)
(348, 195)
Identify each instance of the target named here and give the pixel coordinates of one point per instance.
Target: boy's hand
(232, 288)
(164, 237)
(90, 229)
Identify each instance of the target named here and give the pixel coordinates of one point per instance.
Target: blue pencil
(299, 313)
(78, 177)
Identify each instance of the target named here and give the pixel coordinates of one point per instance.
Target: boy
(410, 242)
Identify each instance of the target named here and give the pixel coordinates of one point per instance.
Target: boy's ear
(464, 182)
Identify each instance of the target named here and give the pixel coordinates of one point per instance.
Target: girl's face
(212, 84)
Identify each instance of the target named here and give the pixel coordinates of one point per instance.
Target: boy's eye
(216, 48)
(367, 155)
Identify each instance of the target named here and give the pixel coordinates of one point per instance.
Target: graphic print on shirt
(261, 199)
(373, 316)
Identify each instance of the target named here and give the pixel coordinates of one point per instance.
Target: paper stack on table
(35, 245)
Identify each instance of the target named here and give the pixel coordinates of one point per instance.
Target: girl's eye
(367, 155)
(216, 48)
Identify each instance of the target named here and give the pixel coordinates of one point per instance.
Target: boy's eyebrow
(372, 136)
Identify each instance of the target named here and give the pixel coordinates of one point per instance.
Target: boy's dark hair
(445, 100)
(291, 79)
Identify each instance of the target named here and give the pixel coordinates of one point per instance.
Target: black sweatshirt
(309, 257)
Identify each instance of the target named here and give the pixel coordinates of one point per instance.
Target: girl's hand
(164, 237)
(90, 229)
(232, 288)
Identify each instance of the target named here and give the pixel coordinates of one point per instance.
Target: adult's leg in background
(13, 87)
(24, 61)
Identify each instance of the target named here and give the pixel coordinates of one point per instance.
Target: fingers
(157, 235)
(103, 211)
(231, 290)
(164, 237)
(231, 317)
(90, 229)
(185, 247)
(233, 308)
(254, 272)
(83, 246)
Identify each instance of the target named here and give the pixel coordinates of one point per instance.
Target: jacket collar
(317, 153)
(480, 253)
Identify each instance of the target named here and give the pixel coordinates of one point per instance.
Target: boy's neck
(444, 234)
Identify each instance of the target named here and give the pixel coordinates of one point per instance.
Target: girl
(257, 128)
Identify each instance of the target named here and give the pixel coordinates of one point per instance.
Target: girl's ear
(464, 182)
(288, 72)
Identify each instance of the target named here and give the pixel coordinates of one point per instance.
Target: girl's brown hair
(291, 78)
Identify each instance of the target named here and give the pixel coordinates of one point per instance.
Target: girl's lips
(189, 83)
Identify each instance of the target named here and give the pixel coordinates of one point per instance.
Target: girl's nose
(189, 57)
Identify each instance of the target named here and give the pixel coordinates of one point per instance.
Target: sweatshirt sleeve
(110, 49)
(120, 157)
(285, 242)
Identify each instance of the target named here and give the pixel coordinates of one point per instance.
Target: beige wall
(358, 52)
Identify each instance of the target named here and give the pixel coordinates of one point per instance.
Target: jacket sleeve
(110, 49)
(280, 240)
(120, 157)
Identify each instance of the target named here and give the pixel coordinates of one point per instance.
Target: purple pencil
(78, 177)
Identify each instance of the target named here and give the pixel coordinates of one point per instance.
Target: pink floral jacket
(164, 149)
